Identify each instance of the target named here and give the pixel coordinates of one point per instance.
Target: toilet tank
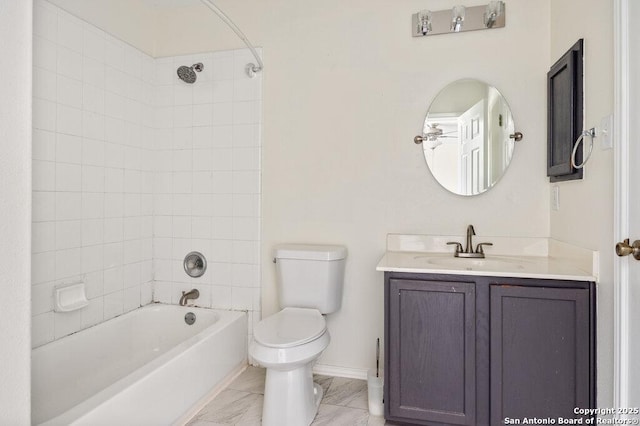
(310, 276)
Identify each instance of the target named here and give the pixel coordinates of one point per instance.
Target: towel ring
(592, 133)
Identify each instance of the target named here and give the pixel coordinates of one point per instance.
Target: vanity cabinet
(474, 350)
(539, 351)
(432, 339)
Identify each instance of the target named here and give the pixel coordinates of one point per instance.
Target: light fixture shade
(432, 143)
(424, 22)
(493, 11)
(457, 18)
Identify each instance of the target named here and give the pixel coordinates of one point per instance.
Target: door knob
(624, 249)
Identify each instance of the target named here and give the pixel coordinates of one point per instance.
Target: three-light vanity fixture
(459, 19)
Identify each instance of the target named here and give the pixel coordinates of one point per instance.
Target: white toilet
(309, 279)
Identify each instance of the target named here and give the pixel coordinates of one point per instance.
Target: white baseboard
(335, 371)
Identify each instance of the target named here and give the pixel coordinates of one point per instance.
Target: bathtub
(147, 367)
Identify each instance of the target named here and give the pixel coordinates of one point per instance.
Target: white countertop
(509, 257)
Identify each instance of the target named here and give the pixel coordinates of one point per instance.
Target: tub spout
(186, 295)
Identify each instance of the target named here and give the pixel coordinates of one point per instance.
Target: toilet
(309, 282)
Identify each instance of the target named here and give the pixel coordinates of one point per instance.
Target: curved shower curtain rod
(251, 68)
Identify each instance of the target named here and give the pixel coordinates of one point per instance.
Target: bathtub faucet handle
(186, 295)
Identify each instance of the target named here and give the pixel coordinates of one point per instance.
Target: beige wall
(15, 212)
(342, 105)
(345, 90)
(585, 217)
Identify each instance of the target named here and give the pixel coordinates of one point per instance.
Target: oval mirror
(468, 137)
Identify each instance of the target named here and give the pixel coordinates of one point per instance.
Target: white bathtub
(147, 367)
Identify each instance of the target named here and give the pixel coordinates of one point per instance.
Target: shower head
(188, 74)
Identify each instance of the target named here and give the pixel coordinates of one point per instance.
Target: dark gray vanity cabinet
(473, 350)
(539, 352)
(432, 341)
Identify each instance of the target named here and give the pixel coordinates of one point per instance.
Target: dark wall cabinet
(464, 350)
(565, 109)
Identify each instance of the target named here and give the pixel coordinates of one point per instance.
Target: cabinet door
(540, 352)
(432, 351)
(564, 114)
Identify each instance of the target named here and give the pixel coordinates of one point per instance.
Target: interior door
(472, 156)
(627, 204)
(634, 208)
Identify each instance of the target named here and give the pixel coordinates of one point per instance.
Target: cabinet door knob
(624, 249)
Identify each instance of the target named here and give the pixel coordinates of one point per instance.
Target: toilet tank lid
(310, 251)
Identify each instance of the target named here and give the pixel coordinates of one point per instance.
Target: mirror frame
(486, 109)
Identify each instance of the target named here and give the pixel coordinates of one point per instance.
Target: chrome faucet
(470, 233)
(468, 251)
(191, 294)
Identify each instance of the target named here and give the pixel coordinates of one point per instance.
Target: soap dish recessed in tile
(70, 297)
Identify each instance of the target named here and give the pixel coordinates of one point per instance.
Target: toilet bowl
(287, 344)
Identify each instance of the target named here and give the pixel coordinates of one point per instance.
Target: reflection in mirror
(467, 137)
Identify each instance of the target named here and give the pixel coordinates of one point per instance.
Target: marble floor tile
(253, 416)
(347, 392)
(240, 404)
(323, 381)
(251, 380)
(204, 423)
(335, 415)
(228, 407)
(377, 421)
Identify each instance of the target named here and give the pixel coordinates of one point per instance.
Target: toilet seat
(290, 327)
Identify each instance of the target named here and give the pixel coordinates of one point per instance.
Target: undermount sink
(471, 264)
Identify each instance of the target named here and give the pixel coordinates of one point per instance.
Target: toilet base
(291, 398)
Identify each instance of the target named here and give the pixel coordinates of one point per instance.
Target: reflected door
(471, 131)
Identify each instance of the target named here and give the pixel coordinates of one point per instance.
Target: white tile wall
(82, 153)
(207, 181)
(133, 168)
